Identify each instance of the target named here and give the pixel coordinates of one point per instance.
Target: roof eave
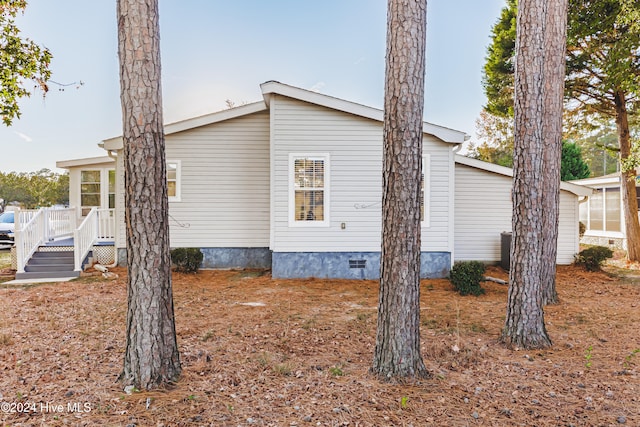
(576, 189)
(116, 143)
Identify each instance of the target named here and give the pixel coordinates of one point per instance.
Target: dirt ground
(258, 351)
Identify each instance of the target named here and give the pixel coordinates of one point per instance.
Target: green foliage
(34, 189)
(465, 276)
(593, 257)
(572, 166)
(20, 60)
(186, 260)
(499, 68)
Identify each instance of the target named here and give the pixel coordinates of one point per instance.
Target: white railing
(29, 235)
(84, 237)
(34, 228)
(106, 224)
(60, 223)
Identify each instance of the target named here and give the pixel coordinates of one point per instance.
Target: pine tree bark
(554, 72)
(627, 179)
(524, 325)
(151, 356)
(397, 351)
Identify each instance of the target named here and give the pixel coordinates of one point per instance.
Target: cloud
(23, 136)
(359, 60)
(317, 87)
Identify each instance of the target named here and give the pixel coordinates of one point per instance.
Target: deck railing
(60, 223)
(34, 228)
(29, 235)
(84, 237)
(106, 225)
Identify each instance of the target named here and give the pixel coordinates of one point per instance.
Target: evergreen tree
(573, 167)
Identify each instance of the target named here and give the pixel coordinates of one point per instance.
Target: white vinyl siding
(355, 148)
(483, 211)
(425, 202)
(224, 184)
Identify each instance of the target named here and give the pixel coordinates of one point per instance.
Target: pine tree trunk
(397, 351)
(627, 180)
(524, 326)
(554, 73)
(151, 356)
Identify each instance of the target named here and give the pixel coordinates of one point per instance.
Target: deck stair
(49, 265)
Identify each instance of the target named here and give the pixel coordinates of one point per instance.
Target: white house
(602, 214)
(293, 183)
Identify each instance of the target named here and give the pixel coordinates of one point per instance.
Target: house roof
(89, 161)
(271, 88)
(194, 122)
(610, 180)
(576, 189)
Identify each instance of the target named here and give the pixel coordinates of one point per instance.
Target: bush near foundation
(465, 276)
(186, 260)
(593, 257)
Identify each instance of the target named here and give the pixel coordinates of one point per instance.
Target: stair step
(47, 275)
(58, 254)
(48, 267)
(51, 260)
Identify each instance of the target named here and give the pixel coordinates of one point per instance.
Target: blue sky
(213, 50)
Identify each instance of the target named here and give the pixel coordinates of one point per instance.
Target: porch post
(17, 241)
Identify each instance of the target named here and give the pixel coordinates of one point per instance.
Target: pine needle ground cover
(268, 352)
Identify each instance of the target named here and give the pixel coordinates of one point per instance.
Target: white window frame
(84, 209)
(426, 173)
(292, 199)
(178, 196)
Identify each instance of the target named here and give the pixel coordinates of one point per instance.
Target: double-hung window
(90, 194)
(173, 180)
(309, 189)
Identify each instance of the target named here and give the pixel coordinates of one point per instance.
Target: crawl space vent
(357, 263)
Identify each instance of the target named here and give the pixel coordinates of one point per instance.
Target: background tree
(397, 350)
(151, 356)
(555, 37)
(499, 67)
(573, 167)
(496, 132)
(603, 78)
(34, 189)
(602, 81)
(524, 325)
(20, 60)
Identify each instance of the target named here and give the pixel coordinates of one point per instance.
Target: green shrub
(593, 257)
(465, 277)
(186, 260)
(581, 228)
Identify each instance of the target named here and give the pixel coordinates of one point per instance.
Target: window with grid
(89, 190)
(112, 189)
(309, 188)
(173, 180)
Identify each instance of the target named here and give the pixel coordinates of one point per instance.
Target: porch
(53, 243)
